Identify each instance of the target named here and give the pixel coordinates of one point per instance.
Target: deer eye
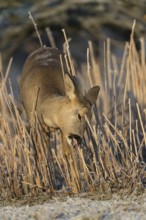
(79, 117)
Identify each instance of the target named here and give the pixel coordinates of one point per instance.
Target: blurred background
(83, 21)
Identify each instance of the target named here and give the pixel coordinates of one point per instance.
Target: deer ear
(92, 94)
(69, 86)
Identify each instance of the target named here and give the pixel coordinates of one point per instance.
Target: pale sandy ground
(131, 208)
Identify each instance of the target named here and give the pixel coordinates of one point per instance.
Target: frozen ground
(133, 208)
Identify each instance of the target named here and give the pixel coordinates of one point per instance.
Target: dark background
(83, 21)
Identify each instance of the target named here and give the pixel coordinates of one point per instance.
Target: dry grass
(110, 158)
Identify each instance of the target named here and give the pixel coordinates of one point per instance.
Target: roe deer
(55, 97)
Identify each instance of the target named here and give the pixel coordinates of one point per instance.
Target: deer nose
(76, 137)
(79, 117)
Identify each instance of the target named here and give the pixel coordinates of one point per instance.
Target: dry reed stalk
(95, 71)
(50, 37)
(108, 64)
(130, 127)
(112, 156)
(106, 110)
(89, 69)
(67, 49)
(4, 79)
(122, 68)
(67, 63)
(141, 123)
(36, 29)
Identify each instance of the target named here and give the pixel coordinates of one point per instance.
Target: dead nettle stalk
(111, 156)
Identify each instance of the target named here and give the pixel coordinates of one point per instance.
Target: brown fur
(57, 100)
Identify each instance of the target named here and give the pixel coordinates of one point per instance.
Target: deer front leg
(68, 152)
